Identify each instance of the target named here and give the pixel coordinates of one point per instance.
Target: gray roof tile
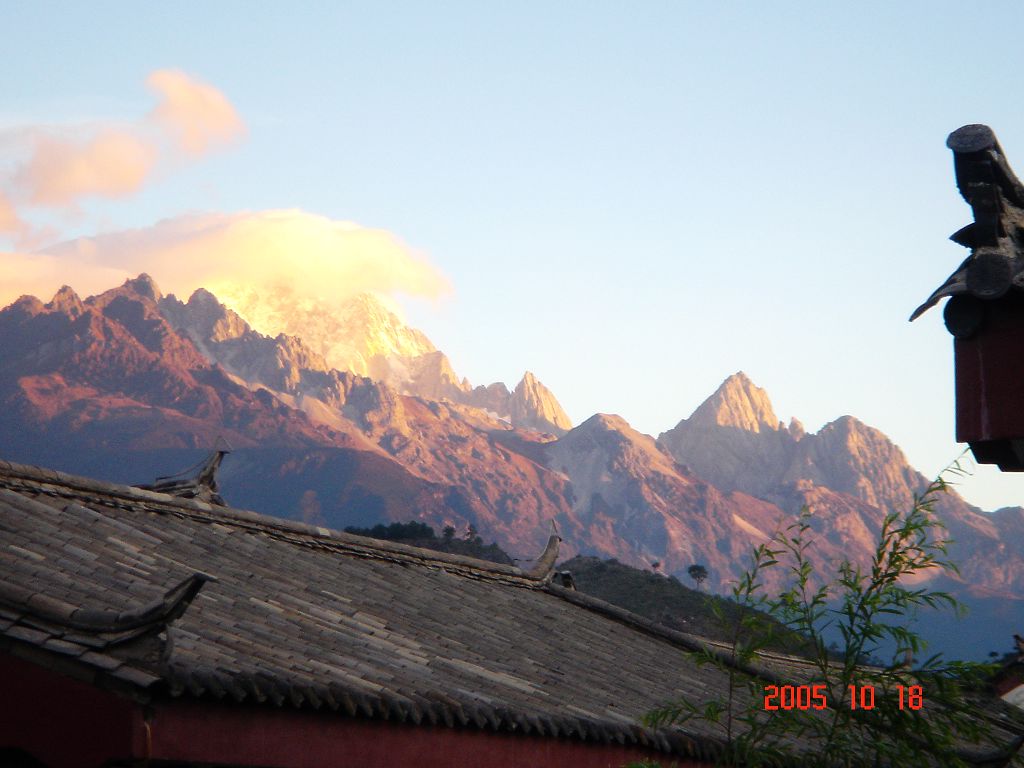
(305, 617)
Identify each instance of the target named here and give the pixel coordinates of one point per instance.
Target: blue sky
(631, 200)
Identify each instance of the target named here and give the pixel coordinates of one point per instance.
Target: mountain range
(347, 416)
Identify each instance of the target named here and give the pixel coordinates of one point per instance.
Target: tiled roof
(164, 596)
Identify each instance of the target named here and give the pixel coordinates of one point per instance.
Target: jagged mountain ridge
(69, 363)
(735, 440)
(365, 337)
(121, 372)
(136, 370)
(361, 335)
(634, 501)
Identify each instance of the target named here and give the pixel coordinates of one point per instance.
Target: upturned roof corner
(995, 237)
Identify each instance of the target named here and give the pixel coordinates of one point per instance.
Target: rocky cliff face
(848, 474)
(493, 398)
(633, 501)
(738, 404)
(362, 337)
(359, 336)
(533, 406)
(734, 439)
(224, 338)
(847, 455)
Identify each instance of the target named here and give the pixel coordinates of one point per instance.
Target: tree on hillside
(862, 605)
(395, 531)
(698, 573)
(420, 534)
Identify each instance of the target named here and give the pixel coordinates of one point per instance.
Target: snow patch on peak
(358, 335)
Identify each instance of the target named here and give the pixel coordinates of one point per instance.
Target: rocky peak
(429, 376)
(607, 443)
(66, 301)
(604, 431)
(281, 363)
(375, 331)
(737, 403)
(358, 335)
(849, 456)
(143, 286)
(534, 406)
(140, 291)
(116, 338)
(206, 317)
(493, 398)
(621, 445)
(631, 500)
(25, 305)
(374, 336)
(796, 428)
(604, 422)
(734, 439)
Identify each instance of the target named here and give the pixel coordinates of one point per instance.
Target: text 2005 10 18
(778, 697)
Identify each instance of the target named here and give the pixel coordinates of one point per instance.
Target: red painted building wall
(61, 721)
(989, 372)
(67, 723)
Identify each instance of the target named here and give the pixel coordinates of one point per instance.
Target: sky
(631, 200)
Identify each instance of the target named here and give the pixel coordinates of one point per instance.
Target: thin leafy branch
(879, 713)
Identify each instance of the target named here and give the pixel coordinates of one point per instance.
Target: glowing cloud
(288, 251)
(197, 116)
(9, 221)
(61, 171)
(40, 275)
(56, 167)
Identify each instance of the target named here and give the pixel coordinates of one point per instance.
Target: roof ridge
(288, 529)
(690, 642)
(685, 640)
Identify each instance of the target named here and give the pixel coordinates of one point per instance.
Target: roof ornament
(193, 484)
(114, 627)
(544, 566)
(996, 237)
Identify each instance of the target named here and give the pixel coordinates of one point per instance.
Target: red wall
(66, 723)
(189, 730)
(63, 722)
(989, 370)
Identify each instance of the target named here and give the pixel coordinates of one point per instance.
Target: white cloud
(311, 256)
(56, 167)
(194, 114)
(61, 171)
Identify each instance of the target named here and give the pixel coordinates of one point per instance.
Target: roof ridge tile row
(51, 482)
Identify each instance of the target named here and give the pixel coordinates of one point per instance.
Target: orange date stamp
(786, 697)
